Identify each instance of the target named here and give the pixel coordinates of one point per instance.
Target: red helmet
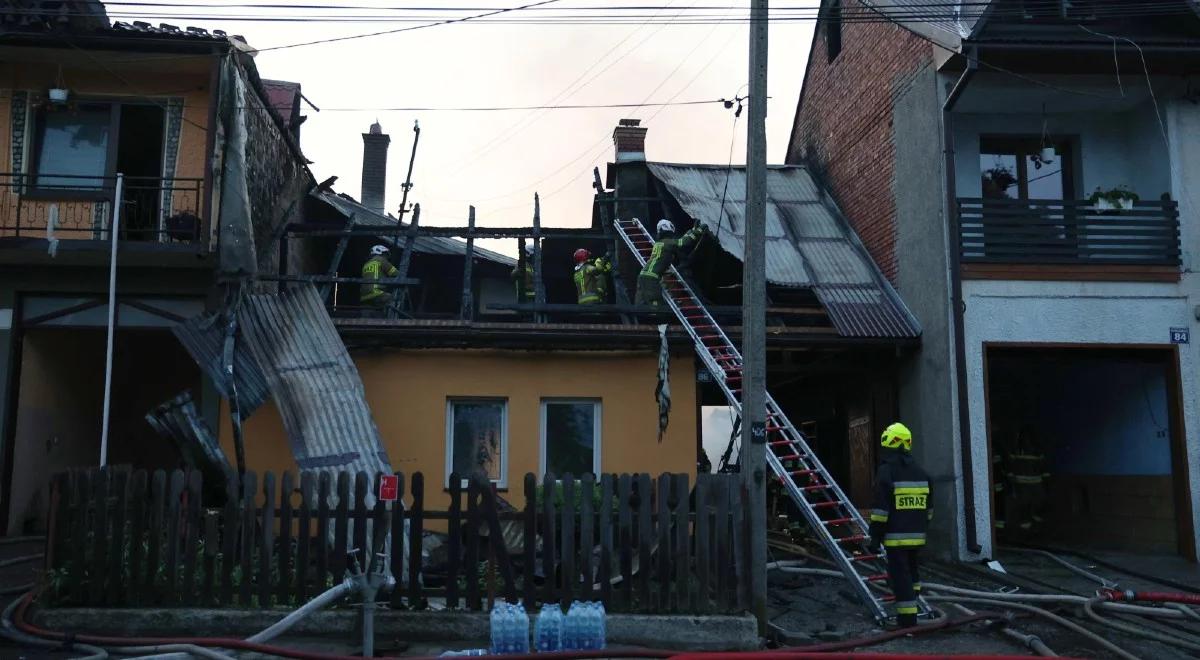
(581, 255)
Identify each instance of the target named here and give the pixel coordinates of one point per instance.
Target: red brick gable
(843, 125)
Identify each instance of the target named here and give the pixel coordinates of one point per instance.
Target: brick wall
(843, 129)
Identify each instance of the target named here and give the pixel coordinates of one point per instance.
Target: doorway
(1087, 447)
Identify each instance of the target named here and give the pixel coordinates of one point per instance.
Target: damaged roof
(809, 243)
(365, 217)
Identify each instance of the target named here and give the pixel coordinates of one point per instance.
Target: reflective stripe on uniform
(903, 539)
(879, 515)
(999, 524)
(589, 299)
(1026, 480)
(910, 487)
(929, 514)
(916, 586)
(906, 607)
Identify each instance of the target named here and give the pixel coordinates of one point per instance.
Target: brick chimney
(374, 167)
(630, 139)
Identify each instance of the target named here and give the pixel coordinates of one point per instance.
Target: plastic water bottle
(602, 619)
(497, 622)
(548, 630)
(570, 641)
(520, 628)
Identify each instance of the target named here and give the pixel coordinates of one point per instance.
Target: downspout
(959, 308)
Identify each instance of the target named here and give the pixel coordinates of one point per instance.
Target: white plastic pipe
(113, 229)
(328, 597)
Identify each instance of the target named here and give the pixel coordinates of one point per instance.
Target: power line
(577, 106)
(516, 128)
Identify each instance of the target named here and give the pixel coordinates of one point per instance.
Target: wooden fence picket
(136, 539)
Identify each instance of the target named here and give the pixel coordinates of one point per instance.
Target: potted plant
(1115, 199)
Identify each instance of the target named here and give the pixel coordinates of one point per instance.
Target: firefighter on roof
(902, 511)
(591, 277)
(666, 250)
(523, 277)
(376, 268)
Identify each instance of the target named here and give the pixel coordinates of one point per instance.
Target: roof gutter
(959, 308)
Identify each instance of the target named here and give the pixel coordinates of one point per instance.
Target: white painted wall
(1113, 149)
(1097, 312)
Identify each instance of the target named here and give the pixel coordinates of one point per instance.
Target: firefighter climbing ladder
(826, 508)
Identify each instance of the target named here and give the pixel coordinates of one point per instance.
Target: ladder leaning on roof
(830, 514)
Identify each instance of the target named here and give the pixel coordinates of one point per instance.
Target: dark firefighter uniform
(666, 250)
(902, 511)
(372, 293)
(1025, 478)
(591, 281)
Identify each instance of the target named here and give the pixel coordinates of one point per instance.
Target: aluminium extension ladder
(828, 511)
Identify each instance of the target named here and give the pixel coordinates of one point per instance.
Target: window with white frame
(477, 438)
(570, 436)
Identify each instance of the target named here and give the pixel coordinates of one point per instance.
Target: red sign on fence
(388, 487)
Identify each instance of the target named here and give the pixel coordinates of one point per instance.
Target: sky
(497, 160)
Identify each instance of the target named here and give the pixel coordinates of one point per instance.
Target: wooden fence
(129, 538)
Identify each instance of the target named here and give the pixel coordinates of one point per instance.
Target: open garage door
(1087, 448)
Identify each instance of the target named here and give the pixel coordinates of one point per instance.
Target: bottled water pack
(510, 629)
(584, 627)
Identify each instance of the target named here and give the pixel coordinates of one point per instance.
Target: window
(833, 29)
(570, 436)
(77, 146)
(1012, 168)
(73, 146)
(477, 438)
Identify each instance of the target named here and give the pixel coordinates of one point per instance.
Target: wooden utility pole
(754, 403)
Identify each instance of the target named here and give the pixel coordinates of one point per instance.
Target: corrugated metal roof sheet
(365, 217)
(315, 384)
(203, 337)
(809, 243)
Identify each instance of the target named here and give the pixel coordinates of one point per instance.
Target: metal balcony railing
(71, 207)
(1002, 231)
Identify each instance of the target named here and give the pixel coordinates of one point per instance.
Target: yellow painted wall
(114, 81)
(407, 392)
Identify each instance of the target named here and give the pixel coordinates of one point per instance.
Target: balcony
(1008, 236)
(80, 208)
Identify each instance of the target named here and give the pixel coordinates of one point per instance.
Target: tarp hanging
(662, 393)
(237, 256)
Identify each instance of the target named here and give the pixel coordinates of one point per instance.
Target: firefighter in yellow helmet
(902, 511)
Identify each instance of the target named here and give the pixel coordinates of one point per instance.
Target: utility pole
(754, 340)
(408, 177)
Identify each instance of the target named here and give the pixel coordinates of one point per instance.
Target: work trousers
(905, 579)
(649, 290)
(1024, 510)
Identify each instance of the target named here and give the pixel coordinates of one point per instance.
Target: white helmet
(529, 249)
(664, 226)
(379, 250)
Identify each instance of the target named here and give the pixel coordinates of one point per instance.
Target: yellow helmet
(897, 436)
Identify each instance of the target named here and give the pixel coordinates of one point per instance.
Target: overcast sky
(497, 160)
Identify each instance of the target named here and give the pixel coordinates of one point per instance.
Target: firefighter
(1025, 478)
(902, 511)
(591, 283)
(377, 267)
(523, 278)
(666, 249)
